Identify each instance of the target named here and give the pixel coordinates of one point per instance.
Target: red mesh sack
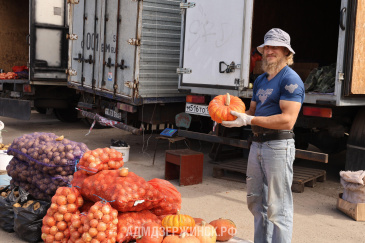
(130, 224)
(125, 193)
(99, 159)
(65, 203)
(78, 179)
(98, 225)
(171, 201)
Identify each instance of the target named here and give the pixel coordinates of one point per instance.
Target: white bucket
(124, 151)
(4, 160)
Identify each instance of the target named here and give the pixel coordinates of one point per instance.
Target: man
(277, 98)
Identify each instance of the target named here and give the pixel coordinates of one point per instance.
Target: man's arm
(283, 121)
(252, 109)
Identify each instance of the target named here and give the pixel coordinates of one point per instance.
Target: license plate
(195, 109)
(113, 114)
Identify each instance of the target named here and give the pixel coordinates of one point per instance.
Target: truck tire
(67, 115)
(355, 154)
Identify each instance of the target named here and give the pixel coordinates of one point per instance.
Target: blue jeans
(269, 196)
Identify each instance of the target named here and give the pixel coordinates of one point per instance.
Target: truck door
(100, 56)
(48, 44)
(216, 46)
(355, 49)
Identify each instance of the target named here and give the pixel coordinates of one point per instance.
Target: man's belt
(279, 135)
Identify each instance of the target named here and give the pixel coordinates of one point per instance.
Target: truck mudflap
(300, 154)
(115, 124)
(18, 109)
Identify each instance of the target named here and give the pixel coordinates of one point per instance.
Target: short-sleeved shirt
(286, 85)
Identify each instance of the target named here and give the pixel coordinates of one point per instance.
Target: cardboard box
(354, 210)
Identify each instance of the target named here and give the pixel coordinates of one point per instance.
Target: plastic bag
(28, 221)
(171, 202)
(130, 224)
(7, 209)
(129, 193)
(118, 143)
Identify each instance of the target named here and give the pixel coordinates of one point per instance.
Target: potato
(4, 194)
(17, 205)
(36, 206)
(27, 204)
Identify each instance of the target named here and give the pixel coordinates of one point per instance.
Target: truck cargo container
(116, 59)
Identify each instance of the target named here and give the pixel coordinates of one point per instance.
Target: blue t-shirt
(286, 85)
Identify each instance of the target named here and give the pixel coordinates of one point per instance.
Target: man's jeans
(269, 196)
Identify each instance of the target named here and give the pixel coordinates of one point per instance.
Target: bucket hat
(276, 37)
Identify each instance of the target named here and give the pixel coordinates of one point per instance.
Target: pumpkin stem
(228, 100)
(183, 235)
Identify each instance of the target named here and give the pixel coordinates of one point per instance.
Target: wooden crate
(302, 177)
(185, 165)
(354, 210)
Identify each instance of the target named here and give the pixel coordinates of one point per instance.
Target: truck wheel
(66, 115)
(355, 152)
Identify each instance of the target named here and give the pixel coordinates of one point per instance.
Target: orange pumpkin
(178, 223)
(225, 229)
(205, 232)
(221, 106)
(151, 233)
(198, 220)
(183, 238)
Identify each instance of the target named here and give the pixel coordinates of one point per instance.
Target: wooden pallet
(236, 171)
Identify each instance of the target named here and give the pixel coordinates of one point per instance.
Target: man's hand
(242, 120)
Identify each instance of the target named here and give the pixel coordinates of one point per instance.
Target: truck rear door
(355, 49)
(48, 44)
(100, 55)
(216, 46)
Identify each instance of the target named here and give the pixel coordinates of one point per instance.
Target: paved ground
(316, 218)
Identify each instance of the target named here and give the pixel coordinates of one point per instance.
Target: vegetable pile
(101, 202)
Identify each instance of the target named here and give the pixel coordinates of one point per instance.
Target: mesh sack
(23, 172)
(125, 193)
(99, 224)
(48, 153)
(171, 201)
(130, 224)
(100, 159)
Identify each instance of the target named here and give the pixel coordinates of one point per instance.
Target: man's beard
(273, 67)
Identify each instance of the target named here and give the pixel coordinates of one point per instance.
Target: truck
(218, 56)
(32, 42)
(111, 61)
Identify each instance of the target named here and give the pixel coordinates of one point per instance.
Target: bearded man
(278, 95)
